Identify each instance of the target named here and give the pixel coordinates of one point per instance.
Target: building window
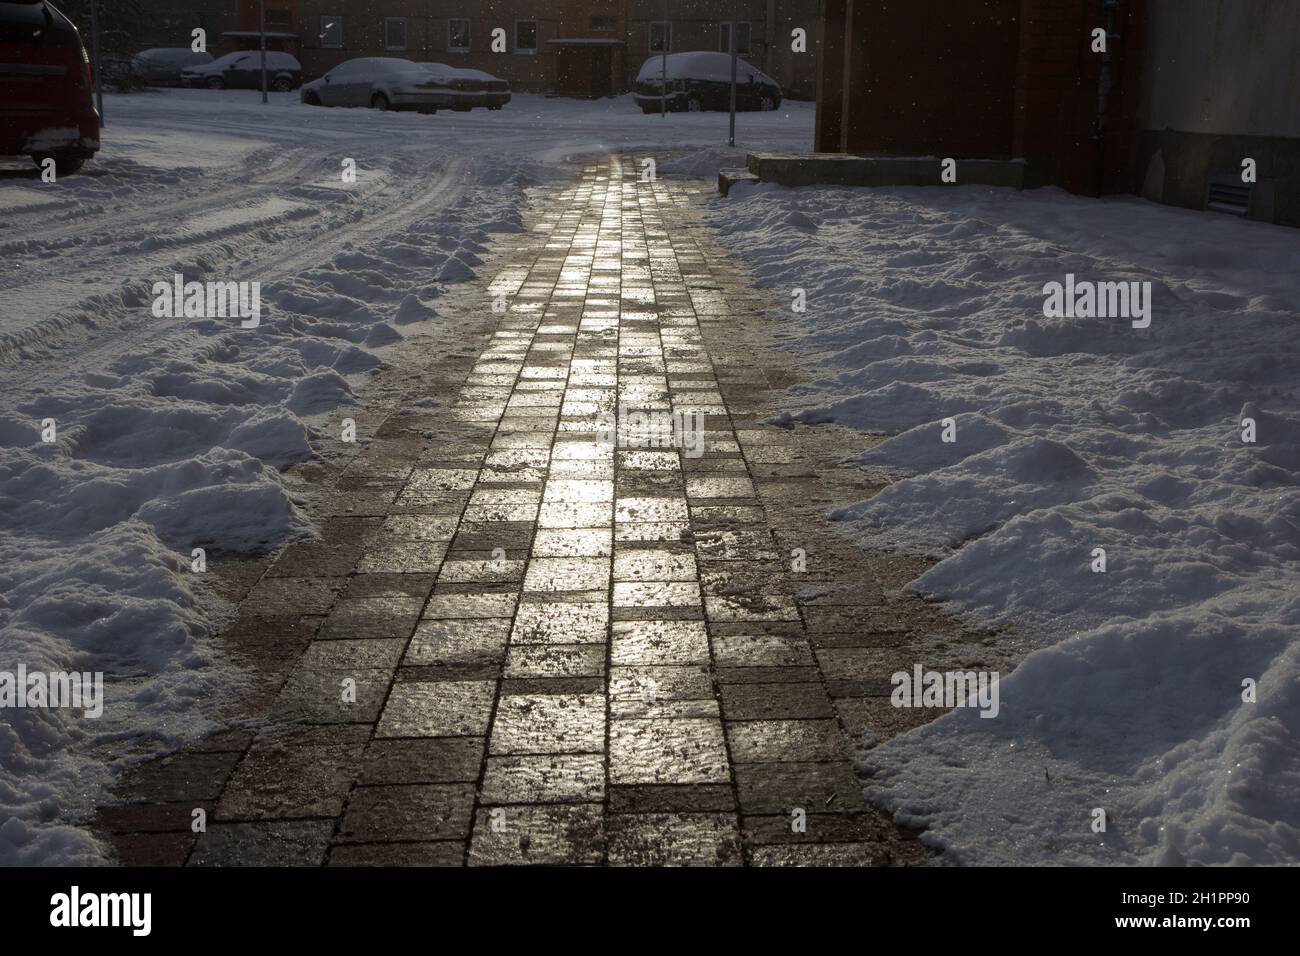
(279, 17)
(458, 34)
(331, 33)
(742, 37)
(601, 22)
(394, 33)
(525, 36)
(661, 36)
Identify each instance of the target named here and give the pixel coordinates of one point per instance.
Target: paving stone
(546, 778)
(347, 695)
(408, 812)
(459, 643)
(549, 723)
(271, 843)
(150, 849)
(766, 741)
(426, 760)
(667, 750)
(442, 853)
(281, 781)
(659, 642)
(184, 777)
(775, 701)
(585, 622)
(778, 787)
(539, 835)
(437, 709)
(673, 839)
(555, 660)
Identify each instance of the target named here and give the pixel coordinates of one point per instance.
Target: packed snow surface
(1071, 434)
(170, 434)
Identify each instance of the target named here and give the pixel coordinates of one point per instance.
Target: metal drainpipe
(1103, 90)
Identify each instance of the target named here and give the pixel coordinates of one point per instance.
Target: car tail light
(85, 60)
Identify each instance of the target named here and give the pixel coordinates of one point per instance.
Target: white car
(387, 83)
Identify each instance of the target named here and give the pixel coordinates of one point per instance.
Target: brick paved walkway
(562, 651)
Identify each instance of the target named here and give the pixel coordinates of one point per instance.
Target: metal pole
(663, 76)
(94, 46)
(263, 29)
(731, 135)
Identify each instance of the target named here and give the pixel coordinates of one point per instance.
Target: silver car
(387, 83)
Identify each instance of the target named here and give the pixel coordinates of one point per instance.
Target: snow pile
(1071, 435)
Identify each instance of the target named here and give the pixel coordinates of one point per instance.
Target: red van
(46, 109)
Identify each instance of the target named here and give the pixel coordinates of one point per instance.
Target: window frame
(388, 47)
(727, 25)
(331, 46)
(468, 36)
(536, 38)
(668, 35)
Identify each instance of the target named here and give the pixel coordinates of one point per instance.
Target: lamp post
(663, 75)
(94, 46)
(262, 12)
(731, 33)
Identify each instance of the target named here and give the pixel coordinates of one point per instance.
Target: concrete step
(839, 169)
(729, 177)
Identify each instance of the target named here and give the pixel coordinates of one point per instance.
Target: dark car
(46, 109)
(163, 66)
(702, 81)
(243, 71)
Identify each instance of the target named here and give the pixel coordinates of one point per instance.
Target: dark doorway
(585, 70)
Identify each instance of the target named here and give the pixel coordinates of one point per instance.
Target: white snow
(1071, 434)
(170, 432)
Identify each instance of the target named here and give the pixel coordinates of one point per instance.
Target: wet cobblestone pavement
(517, 642)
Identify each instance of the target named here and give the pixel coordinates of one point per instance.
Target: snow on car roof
(700, 65)
(460, 71)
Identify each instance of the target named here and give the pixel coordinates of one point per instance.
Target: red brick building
(987, 79)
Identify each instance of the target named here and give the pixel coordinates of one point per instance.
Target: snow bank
(1071, 434)
(176, 441)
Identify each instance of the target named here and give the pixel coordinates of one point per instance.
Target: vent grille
(1227, 193)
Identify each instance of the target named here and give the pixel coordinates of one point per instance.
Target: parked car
(119, 73)
(163, 66)
(46, 108)
(495, 89)
(388, 83)
(243, 71)
(702, 81)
